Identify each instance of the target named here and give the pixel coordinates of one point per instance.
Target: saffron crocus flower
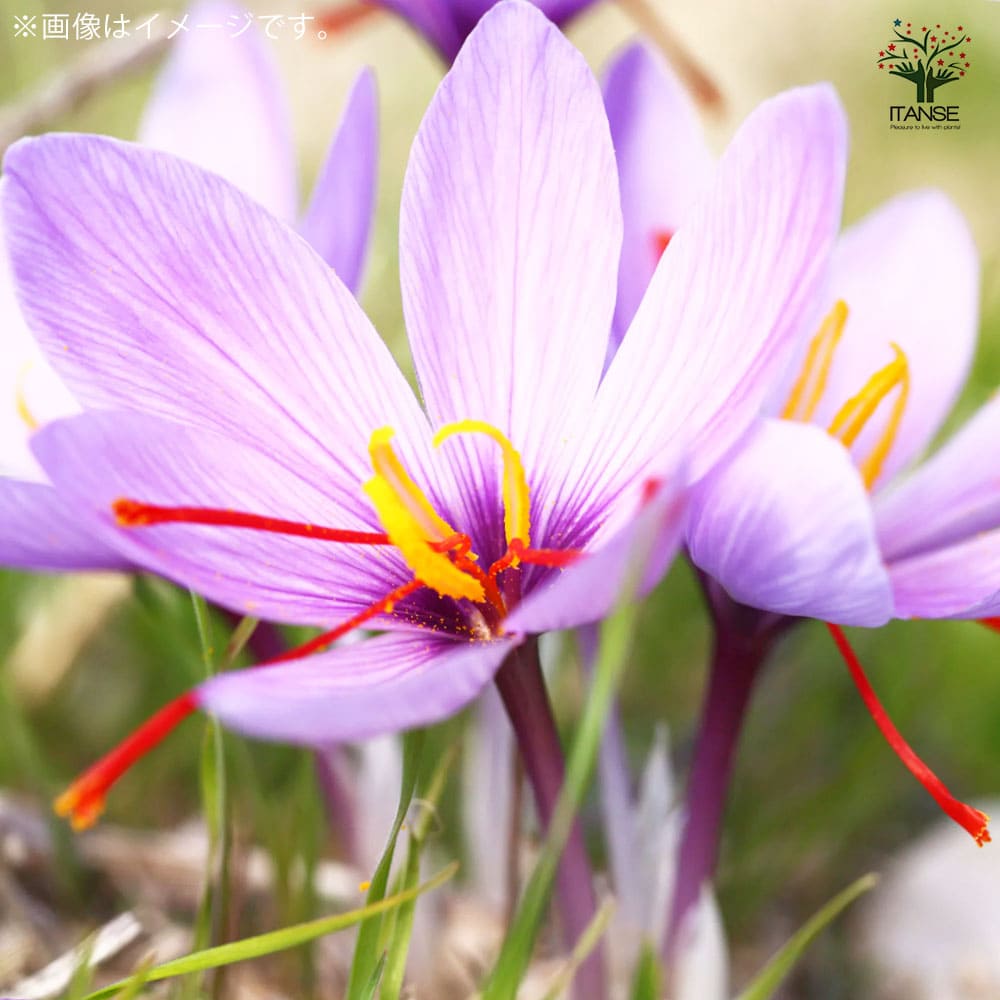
(799, 519)
(446, 24)
(252, 438)
(217, 102)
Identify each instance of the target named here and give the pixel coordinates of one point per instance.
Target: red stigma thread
(133, 514)
(320, 642)
(83, 801)
(970, 819)
(993, 623)
(661, 240)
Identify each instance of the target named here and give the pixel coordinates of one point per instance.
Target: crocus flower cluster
(248, 434)
(623, 346)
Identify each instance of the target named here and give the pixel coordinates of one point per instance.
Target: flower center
(440, 557)
(851, 419)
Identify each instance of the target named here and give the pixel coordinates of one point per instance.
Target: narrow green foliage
(647, 983)
(245, 628)
(366, 952)
(772, 975)
(371, 988)
(587, 943)
(403, 924)
(273, 941)
(214, 806)
(615, 646)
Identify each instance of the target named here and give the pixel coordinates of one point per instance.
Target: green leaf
(367, 949)
(612, 657)
(372, 986)
(647, 983)
(586, 944)
(771, 976)
(275, 941)
(403, 928)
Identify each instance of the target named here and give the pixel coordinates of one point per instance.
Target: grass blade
(274, 941)
(771, 976)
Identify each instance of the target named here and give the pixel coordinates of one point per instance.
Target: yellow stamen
(23, 410)
(854, 415)
(809, 386)
(413, 525)
(516, 499)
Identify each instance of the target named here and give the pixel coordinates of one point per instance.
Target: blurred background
(818, 798)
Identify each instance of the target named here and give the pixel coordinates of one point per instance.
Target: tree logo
(928, 58)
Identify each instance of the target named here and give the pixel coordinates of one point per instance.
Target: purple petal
(880, 269)
(338, 221)
(509, 237)
(177, 295)
(960, 581)
(724, 305)
(587, 590)
(950, 497)
(354, 692)
(785, 525)
(434, 19)
(30, 392)
(219, 102)
(40, 530)
(98, 458)
(663, 162)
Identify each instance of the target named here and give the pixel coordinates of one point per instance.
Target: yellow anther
(413, 525)
(854, 415)
(23, 410)
(516, 499)
(809, 386)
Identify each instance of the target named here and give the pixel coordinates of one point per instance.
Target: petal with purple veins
(338, 221)
(663, 161)
(785, 525)
(952, 496)
(219, 102)
(724, 307)
(509, 238)
(354, 692)
(40, 530)
(177, 295)
(98, 458)
(959, 581)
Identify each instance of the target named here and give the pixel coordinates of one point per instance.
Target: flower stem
(522, 689)
(743, 639)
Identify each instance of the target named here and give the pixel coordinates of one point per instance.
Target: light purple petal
(219, 102)
(509, 241)
(98, 458)
(785, 525)
(724, 305)
(354, 692)
(909, 273)
(587, 590)
(39, 530)
(173, 293)
(960, 581)
(664, 164)
(953, 495)
(338, 221)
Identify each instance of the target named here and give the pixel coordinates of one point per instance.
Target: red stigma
(993, 623)
(83, 801)
(973, 821)
(134, 514)
(661, 240)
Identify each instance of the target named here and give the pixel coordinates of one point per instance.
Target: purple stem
(522, 689)
(743, 639)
